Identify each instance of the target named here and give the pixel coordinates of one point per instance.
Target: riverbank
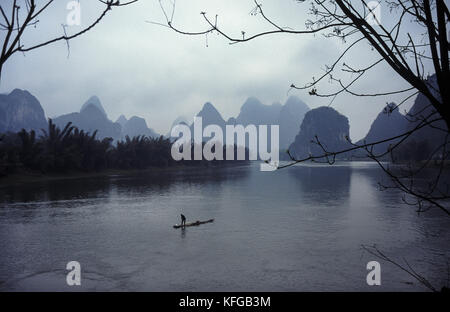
(27, 176)
(24, 177)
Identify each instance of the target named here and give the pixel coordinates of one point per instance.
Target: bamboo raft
(196, 223)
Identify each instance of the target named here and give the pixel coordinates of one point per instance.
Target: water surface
(296, 229)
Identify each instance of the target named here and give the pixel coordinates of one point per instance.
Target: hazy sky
(138, 68)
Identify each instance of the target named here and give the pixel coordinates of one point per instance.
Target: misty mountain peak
(255, 112)
(23, 96)
(390, 114)
(20, 92)
(208, 108)
(210, 114)
(291, 117)
(138, 121)
(250, 104)
(20, 109)
(95, 101)
(137, 126)
(331, 128)
(295, 102)
(389, 122)
(92, 111)
(122, 120)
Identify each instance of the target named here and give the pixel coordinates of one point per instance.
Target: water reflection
(130, 185)
(294, 229)
(323, 184)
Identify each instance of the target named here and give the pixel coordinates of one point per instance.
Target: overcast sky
(138, 68)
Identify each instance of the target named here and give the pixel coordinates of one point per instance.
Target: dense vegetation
(71, 150)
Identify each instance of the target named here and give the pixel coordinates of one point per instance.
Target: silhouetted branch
(12, 42)
(356, 147)
(373, 250)
(396, 46)
(343, 19)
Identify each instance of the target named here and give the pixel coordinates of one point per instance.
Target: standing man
(183, 220)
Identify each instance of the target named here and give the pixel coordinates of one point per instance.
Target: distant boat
(177, 226)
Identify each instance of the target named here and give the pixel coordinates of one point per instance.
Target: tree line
(70, 149)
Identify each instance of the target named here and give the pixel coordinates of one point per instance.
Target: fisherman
(183, 220)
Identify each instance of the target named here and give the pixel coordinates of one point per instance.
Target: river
(296, 229)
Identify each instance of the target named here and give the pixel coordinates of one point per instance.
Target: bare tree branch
(12, 42)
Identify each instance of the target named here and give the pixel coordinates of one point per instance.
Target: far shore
(33, 177)
(25, 176)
